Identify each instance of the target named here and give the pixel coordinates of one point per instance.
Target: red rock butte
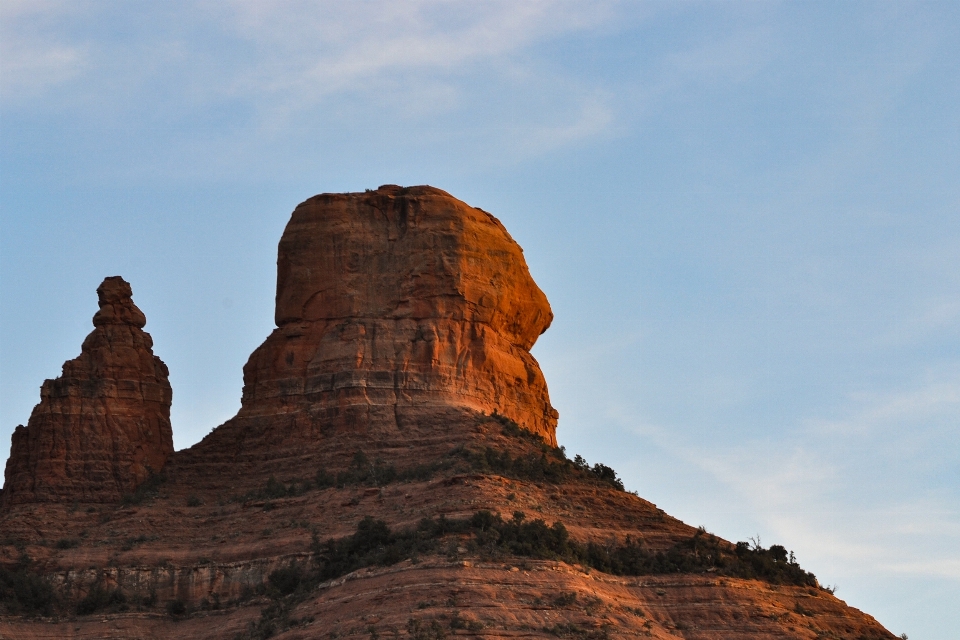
(104, 425)
(395, 308)
(357, 492)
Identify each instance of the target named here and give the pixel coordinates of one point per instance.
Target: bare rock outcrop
(104, 424)
(402, 315)
(394, 307)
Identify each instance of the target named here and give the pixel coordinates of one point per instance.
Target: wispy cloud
(592, 118)
(30, 62)
(319, 48)
(285, 64)
(854, 492)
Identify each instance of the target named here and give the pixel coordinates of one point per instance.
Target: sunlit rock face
(104, 425)
(400, 301)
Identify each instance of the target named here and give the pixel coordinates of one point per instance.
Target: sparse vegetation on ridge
(489, 535)
(551, 465)
(547, 464)
(361, 472)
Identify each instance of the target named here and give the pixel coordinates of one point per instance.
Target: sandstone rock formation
(102, 426)
(393, 307)
(403, 316)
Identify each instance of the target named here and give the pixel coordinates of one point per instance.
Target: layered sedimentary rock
(393, 305)
(400, 313)
(104, 425)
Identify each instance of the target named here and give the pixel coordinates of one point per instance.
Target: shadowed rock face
(103, 425)
(400, 301)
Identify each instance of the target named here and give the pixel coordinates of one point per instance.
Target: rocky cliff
(103, 426)
(393, 472)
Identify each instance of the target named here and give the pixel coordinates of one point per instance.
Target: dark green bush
(287, 579)
(147, 490)
(422, 630)
(374, 543)
(525, 467)
(550, 465)
(24, 592)
(67, 543)
(177, 607)
(100, 598)
(565, 599)
(575, 631)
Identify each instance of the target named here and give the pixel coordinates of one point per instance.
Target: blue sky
(745, 216)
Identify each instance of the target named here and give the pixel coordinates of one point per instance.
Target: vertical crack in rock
(104, 425)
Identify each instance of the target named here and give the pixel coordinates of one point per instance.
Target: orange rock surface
(400, 300)
(102, 426)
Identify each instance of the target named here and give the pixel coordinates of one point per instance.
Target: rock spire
(104, 425)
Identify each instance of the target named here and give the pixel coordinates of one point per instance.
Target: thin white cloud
(593, 118)
(30, 62)
(880, 413)
(326, 47)
(737, 57)
(818, 488)
(289, 61)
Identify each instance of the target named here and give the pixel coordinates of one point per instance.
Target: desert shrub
(551, 465)
(176, 607)
(422, 630)
(362, 471)
(147, 490)
(523, 467)
(374, 543)
(24, 592)
(194, 501)
(531, 539)
(324, 479)
(287, 579)
(377, 473)
(699, 553)
(273, 489)
(608, 475)
(565, 599)
(456, 622)
(67, 543)
(100, 599)
(131, 542)
(562, 630)
(772, 565)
